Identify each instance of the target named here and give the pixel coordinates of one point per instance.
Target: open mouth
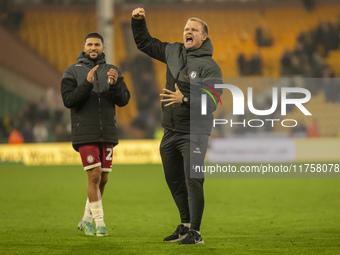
(189, 39)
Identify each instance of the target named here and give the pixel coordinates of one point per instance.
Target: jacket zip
(176, 80)
(100, 108)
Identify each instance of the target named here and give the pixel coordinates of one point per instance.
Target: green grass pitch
(41, 207)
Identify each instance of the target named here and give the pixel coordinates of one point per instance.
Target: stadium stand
(233, 30)
(56, 34)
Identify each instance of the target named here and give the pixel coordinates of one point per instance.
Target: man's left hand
(112, 75)
(172, 97)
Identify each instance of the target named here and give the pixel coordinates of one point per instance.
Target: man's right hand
(90, 75)
(138, 13)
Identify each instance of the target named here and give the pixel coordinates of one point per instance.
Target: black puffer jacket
(93, 105)
(188, 69)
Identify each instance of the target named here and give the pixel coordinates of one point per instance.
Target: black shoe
(193, 237)
(179, 234)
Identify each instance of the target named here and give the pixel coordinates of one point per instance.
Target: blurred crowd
(307, 59)
(39, 122)
(147, 97)
(11, 15)
(253, 66)
(312, 47)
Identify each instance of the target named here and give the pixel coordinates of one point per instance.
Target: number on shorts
(109, 156)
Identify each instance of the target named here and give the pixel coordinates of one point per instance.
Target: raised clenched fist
(138, 13)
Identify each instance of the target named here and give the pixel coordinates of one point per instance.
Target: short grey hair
(204, 25)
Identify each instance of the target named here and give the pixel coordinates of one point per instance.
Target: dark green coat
(185, 68)
(93, 106)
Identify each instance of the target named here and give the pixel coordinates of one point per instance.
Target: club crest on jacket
(193, 74)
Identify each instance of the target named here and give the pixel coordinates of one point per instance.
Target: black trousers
(180, 152)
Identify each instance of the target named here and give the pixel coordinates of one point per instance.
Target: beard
(99, 55)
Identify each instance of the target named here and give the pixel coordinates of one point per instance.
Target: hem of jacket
(76, 145)
(185, 131)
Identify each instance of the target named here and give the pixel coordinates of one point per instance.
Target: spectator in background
(42, 113)
(7, 125)
(329, 85)
(313, 129)
(3, 134)
(327, 36)
(286, 64)
(40, 132)
(144, 82)
(309, 46)
(255, 64)
(249, 67)
(15, 137)
(55, 106)
(308, 4)
(263, 36)
(242, 64)
(61, 134)
(302, 37)
(337, 26)
(307, 71)
(27, 132)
